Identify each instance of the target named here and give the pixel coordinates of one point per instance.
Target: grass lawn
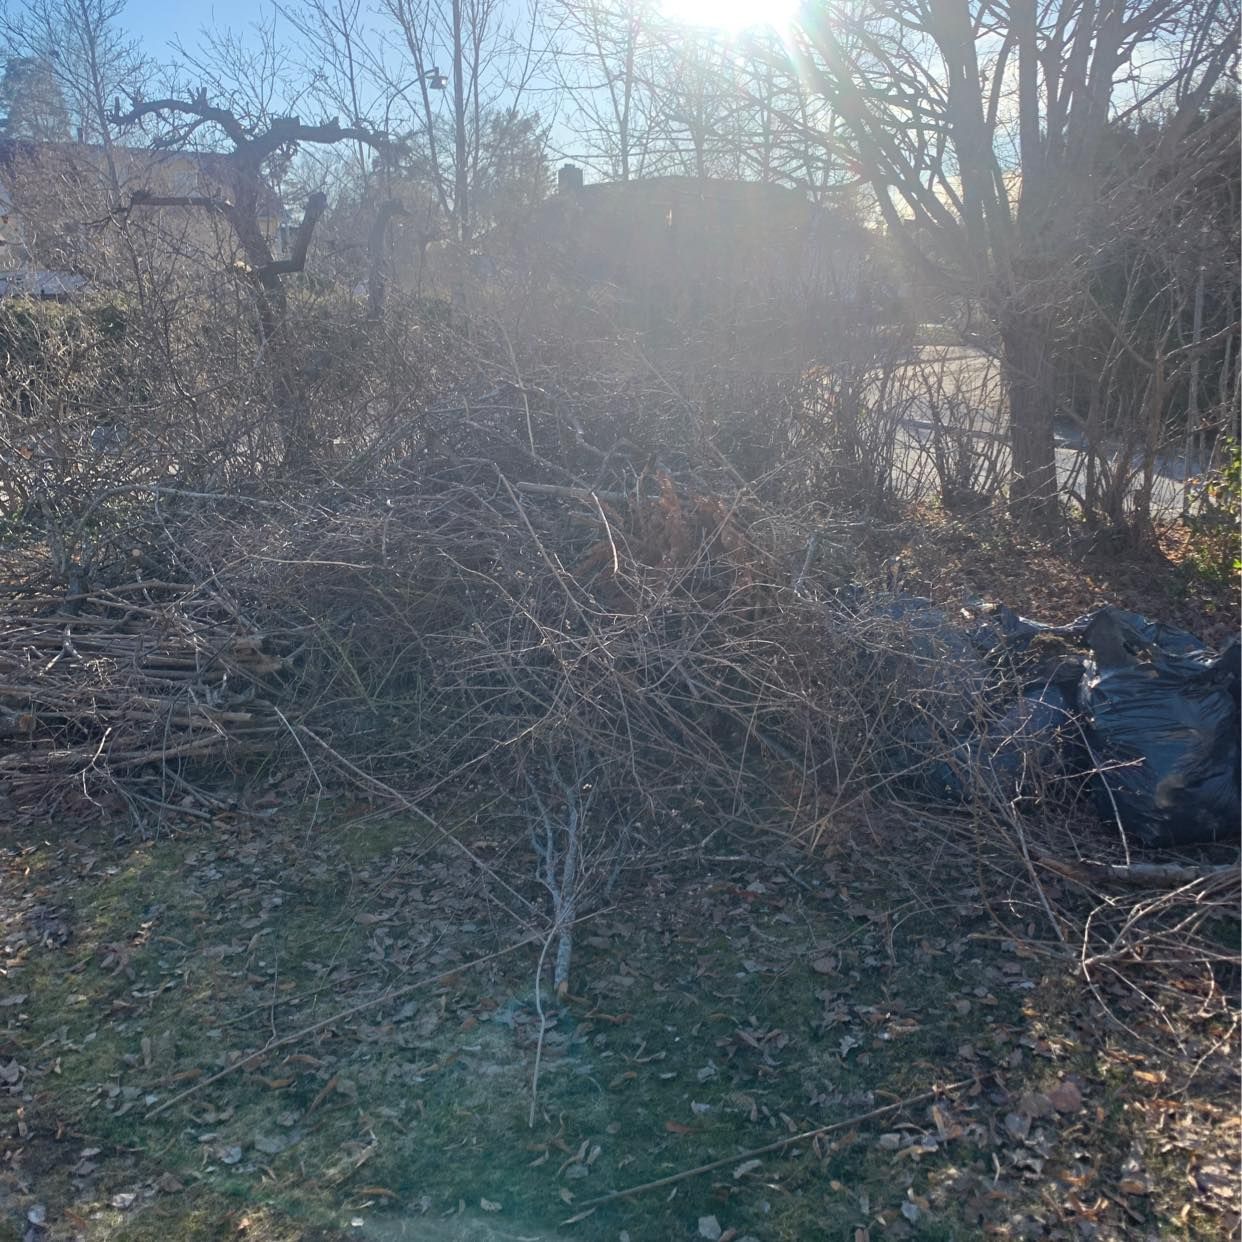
(728, 998)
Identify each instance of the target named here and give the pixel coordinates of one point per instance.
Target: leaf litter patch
(718, 1011)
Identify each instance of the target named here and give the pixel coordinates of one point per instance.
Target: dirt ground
(960, 558)
(731, 996)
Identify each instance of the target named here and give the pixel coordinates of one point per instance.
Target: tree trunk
(461, 207)
(377, 283)
(288, 387)
(1033, 489)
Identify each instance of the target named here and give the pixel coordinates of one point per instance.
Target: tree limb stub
(296, 262)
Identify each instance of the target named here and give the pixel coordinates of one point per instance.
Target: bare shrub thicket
(613, 609)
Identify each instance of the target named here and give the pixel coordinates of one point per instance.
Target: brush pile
(521, 617)
(483, 612)
(124, 687)
(595, 633)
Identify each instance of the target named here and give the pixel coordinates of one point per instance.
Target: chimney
(568, 179)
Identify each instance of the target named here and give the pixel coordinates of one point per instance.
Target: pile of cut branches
(116, 690)
(602, 649)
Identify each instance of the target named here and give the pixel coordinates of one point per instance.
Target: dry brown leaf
(1036, 1104)
(1065, 1097)
(615, 1019)
(326, 1091)
(946, 1127)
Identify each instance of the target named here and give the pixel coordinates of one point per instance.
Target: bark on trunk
(377, 283)
(1033, 489)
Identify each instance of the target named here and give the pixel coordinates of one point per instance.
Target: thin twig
(1144, 875)
(780, 1144)
(571, 493)
(543, 1026)
(286, 1040)
(612, 543)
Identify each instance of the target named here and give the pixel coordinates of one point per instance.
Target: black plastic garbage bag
(999, 625)
(1152, 718)
(1015, 753)
(985, 731)
(915, 644)
(1163, 730)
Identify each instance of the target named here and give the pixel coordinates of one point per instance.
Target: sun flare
(731, 15)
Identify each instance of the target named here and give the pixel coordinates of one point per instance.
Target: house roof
(760, 208)
(678, 185)
(41, 283)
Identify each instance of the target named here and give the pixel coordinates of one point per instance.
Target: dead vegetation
(507, 712)
(273, 1028)
(569, 607)
(573, 611)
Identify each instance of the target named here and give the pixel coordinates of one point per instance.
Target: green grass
(709, 1019)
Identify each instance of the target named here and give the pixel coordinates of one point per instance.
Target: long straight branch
(673, 1178)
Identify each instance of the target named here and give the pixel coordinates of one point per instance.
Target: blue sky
(158, 22)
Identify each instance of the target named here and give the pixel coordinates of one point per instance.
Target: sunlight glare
(731, 15)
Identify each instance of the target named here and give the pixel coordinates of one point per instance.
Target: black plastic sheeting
(1161, 718)
(1148, 714)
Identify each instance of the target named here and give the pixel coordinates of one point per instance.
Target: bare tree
(602, 60)
(783, 130)
(978, 123)
(90, 57)
(492, 56)
(1154, 313)
(695, 98)
(646, 95)
(253, 144)
(338, 55)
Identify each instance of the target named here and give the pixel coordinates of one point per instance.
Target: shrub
(1215, 550)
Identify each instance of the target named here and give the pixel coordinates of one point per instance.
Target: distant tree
(1148, 353)
(510, 171)
(603, 63)
(644, 95)
(979, 126)
(694, 89)
(33, 106)
(85, 59)
(255, 144)
(513, 165)
(493, 58)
